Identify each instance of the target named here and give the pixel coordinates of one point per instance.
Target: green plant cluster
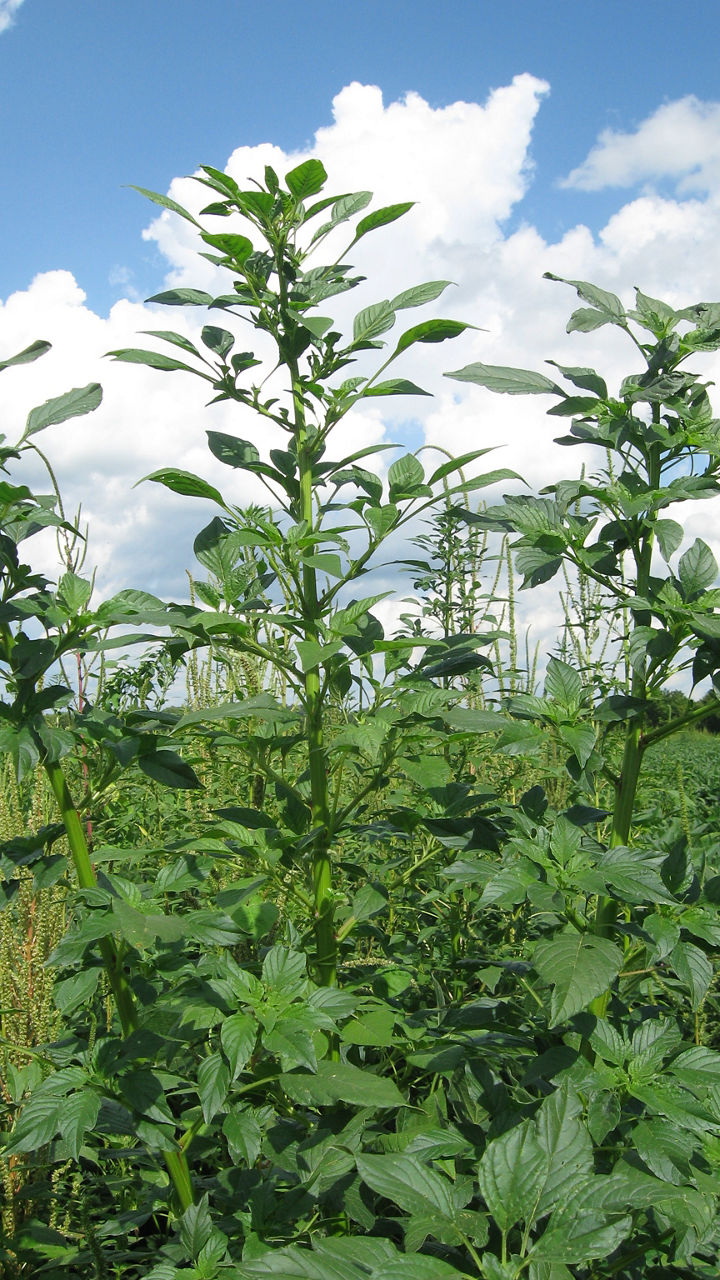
(373, 960)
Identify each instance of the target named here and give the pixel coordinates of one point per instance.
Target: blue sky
(579, 138)
(96, 94)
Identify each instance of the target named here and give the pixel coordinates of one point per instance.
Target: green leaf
(577, 1237)
(372, 321)
(33, 352)
(404, 476)
(73, 404)
(669, 535)
(182, 298)
(406, 1182)
(155, 360)
(514, 382)
(168, 768)
(567, 1146)
(244, 1136)
(196, 1227)
(697, 568)
(592, 293)
(217, 340)
(381, 218)
(285, 970)
(78, 1114)
(306, 180)
(579, 967)
(185, 483)
(563, 684)
(166, 203)
(74, 592)
(420, 294)
(213, 1079)
(238, 1034)
(431, 331)
(342, 1082)
(312, 654)
(395, 387)
(511, 1175)
(38, 1123)
(586, 320)
(78, 990)
(634, 876)
(693, 968)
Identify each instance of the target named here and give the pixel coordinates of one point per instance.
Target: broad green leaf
(186, 483)
(592, 293)
(372, 1028)
(78, 990)
(579, 967)
(213, 1079)
(33, 352)
(381, 519)
(155, 360)
(567, 1147)
(405, 474)
(368, 901)
(634, 876)
(563, 684)
(697, 1066)
(78, 1114)
(196, 1227)
(431, 331)
(218, 340)
(74, 591)
(511, 1174)
(381, 218)
(312, 654)
(697, 568)
(693, 968)
(580, 739)
(238, 1034)
(73, 404)
(575, 1236)
(372, 321)
(325, 562)
(168, 768)
(420, 294)
(340, 1081)
(285, 969)
(38, 1123)
(306, 179)
(408, 1183)
(586, 320)
(182, 298)
(166, 203)
(395, 387)
(515, 382)
(244, 1136)
(669, 535)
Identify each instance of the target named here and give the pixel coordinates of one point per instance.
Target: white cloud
(468, 166)
(8, 9)
(679, 141)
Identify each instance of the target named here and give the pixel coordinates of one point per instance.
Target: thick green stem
(175, 1161)
(322, 889)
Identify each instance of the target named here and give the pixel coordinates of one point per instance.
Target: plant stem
(122, 992)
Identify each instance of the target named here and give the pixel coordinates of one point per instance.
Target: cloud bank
(468, 166)
(8, 9)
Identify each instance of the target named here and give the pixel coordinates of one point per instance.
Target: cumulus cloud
(680, 141)
(468, 166)
(8, 9)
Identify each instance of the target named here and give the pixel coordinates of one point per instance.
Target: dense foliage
(373, 959)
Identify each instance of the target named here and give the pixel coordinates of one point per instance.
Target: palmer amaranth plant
(371, 1015)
